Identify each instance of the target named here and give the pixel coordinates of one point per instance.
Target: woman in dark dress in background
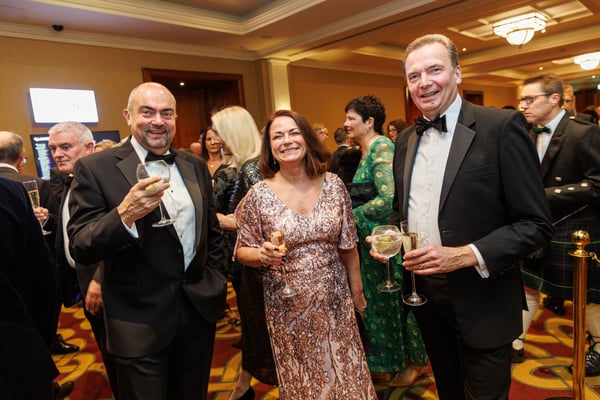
(237, 129)
(223, 175)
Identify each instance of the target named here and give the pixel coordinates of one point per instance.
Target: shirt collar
(555, 121)
(452, 113)
(5, 165)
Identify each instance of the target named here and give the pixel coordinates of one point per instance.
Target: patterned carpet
(543, 375)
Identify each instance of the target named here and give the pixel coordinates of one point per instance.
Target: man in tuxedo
(569, 154)
(26, 286)
(461, 174)
(341, 139)
(68, 142)
(58, 180)
(163, 289)
(12, 158)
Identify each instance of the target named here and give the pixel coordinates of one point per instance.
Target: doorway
(198, 95)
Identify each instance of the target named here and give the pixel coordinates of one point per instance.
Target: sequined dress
(314, 336)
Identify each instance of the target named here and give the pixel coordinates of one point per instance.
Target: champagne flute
(34, 197)
(277, 239)
(156, 168)
(387, 242)
(410, 241)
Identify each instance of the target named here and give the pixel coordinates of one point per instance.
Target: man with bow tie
(462, 178)
(569, 154)
(162, 288)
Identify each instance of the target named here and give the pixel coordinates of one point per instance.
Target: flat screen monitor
(43, 158)
(50, 106)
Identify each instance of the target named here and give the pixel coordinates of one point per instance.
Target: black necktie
(168, 158)
(422, 124)
(541, 129)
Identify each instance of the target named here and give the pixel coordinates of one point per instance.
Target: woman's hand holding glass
(272, 254)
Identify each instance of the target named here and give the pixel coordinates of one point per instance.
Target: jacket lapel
(555, 143)
(461, 141)
(411, 153)
(186, 169)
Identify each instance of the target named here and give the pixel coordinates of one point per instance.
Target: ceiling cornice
(179, 15)
(119, 42)
(340, 27)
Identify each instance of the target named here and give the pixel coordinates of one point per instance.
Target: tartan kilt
(553, 273)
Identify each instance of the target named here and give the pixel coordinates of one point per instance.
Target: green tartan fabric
(553, 274)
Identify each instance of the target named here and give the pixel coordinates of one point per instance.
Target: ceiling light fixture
(588, 61)
(520, 30)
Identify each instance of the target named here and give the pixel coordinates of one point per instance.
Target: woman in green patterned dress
(396, 344)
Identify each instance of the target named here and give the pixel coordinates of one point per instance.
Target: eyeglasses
(530, 99)
(24, 160)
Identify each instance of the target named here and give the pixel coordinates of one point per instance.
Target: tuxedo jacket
(492, 196)
(27, 279)
(571, 167)
(27, 290)
(47, 199)
(73, 282)
(144, 281)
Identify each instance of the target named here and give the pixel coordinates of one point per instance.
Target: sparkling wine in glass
(410, 241)
(156, 168)
(278, 239)
(34, 197)
(387, 241)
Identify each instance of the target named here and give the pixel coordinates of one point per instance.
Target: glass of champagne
(387, 242)
(156, 168)
(410, 241)
(278, 239)
(34, 197)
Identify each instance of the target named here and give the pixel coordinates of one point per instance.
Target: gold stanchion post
(580, 239)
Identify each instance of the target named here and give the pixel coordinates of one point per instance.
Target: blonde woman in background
(238, 132)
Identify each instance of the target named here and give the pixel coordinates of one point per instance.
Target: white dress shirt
(426, 183)
(180, 207)
(543, 139)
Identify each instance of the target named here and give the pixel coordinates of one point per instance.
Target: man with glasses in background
(569, 153)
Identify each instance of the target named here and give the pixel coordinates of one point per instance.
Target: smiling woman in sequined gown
(314, 335)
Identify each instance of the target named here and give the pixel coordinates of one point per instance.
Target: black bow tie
(422, 124)
(168, 158)
(541, 129)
